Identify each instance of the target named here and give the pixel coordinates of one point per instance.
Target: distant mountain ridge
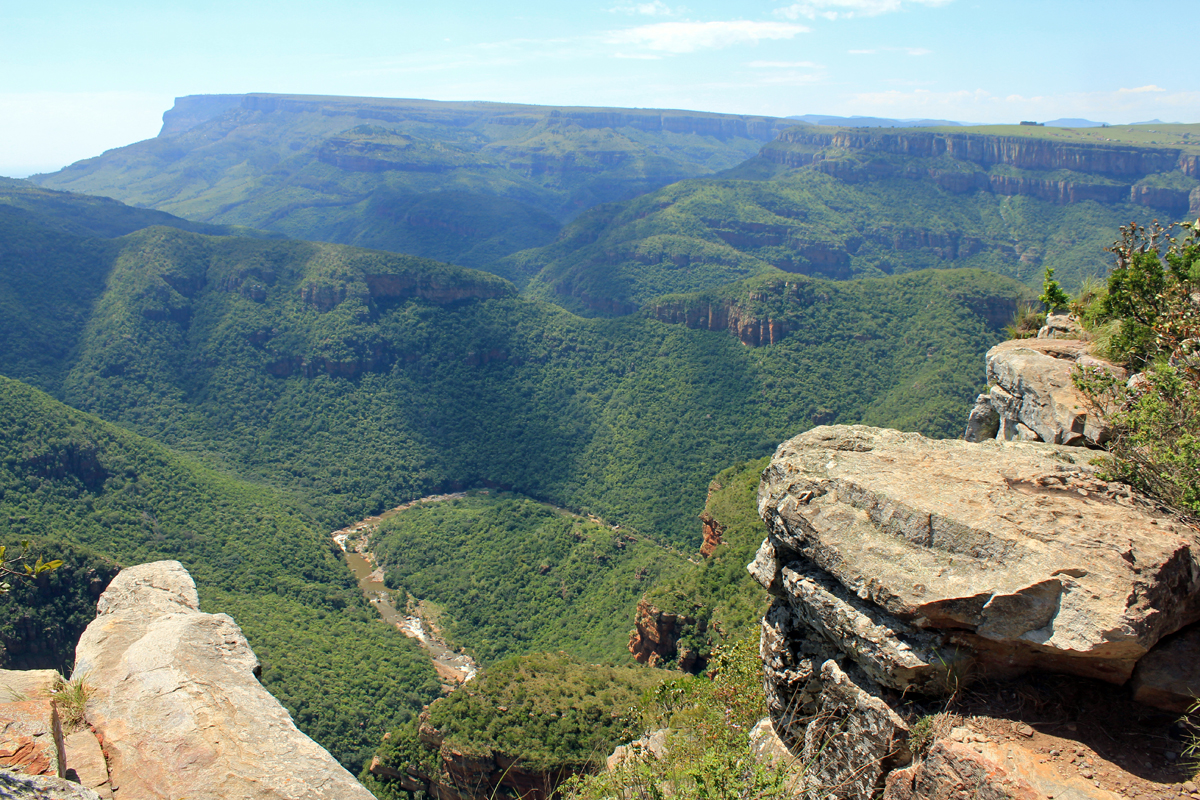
(873, 122)
(467, 182)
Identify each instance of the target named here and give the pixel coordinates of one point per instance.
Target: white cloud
(847, 9)
(1142, 89)
(688, 37)
(655, 8)
(783, 65)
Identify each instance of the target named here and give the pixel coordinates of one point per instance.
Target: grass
(71, 698)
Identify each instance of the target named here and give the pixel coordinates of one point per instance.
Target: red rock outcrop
(713, 531)
(721, 316)
(655, 636)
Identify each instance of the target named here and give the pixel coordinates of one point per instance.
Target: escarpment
(1104, 173)
(725, 315)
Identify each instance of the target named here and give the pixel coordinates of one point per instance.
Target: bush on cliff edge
(1151, 307)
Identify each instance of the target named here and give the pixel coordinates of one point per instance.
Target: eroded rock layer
(902, 566)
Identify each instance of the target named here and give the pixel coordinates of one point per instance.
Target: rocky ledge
(1032, 396)
(903, 566)
(176, 710)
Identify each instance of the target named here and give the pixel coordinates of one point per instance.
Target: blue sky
(78, 77)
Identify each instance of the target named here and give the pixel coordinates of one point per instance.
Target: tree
(1053, 297)
(17, 567)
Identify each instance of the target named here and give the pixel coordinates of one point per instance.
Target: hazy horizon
(81, 78)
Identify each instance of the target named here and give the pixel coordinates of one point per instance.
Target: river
(454, 668)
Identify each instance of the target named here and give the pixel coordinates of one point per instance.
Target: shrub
(1026, 322)
(1151, 310)
(707, 752)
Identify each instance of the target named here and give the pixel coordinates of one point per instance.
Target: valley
(526, 363)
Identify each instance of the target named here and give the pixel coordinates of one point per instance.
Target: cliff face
(986, 151)
(726, 315)
(510, 114)
(656, 634)
(904, 567)
(1118, 168)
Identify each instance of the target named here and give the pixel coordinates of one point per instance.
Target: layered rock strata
(1032, 397)
(179, 708)
(903, 566)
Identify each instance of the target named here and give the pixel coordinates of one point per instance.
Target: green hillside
(69, 481)
(849, 203)
(361, 379)
(462, 182)
(515, 577)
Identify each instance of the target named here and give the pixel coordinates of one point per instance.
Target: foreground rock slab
(1012, 555)
(178, 707)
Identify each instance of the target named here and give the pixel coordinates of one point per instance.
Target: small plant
(1053, 297)
(71, 698)
(1026, 322)
(1191, 749)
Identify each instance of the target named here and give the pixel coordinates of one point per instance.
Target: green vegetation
(280, 362)
(1053, 297)
(515, 576)
(87, 488)
(310, 385)
(71, 698)
(546, 712)
(718, 592)
(702, 234)
(42, 618)
(707, 749)
(464, 182)
(1151, 309)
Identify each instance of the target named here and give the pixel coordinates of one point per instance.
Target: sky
(79, 77)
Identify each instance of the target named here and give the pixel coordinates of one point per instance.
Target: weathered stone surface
(1168, 677)
(890, 652)
(1032, 396)
(178, 707)
(85, 762)
(766, 746)
(30, 732)
(1060, 326)
(987, 771)
(854, 740)
(656, 634)
(18, 786)
(1016, 553)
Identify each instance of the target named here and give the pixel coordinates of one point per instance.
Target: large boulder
(903, 567)
(178, 707)
(929, 562)
(1032, 396)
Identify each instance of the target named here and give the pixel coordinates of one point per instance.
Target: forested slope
(69, 480)
(359, 379)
